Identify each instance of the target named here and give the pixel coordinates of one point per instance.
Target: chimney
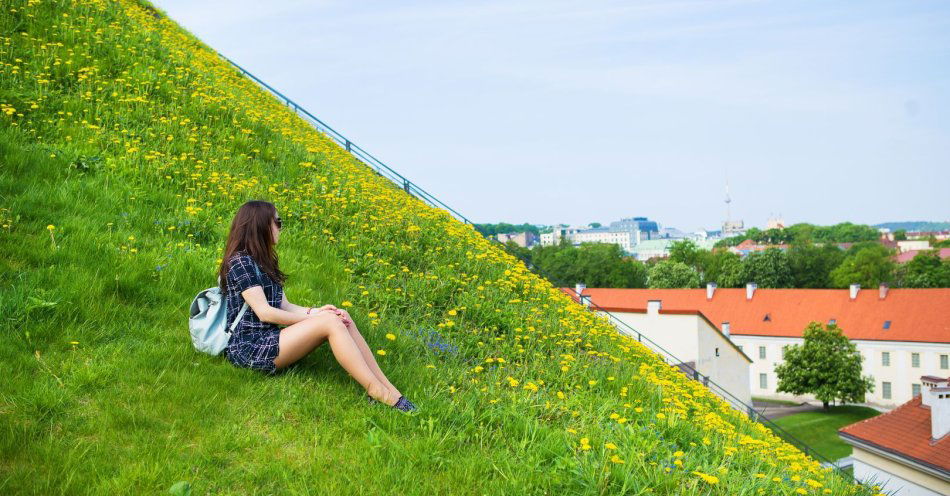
(937, 397)
(583, 298)
(854, 291)
(725, 328)
(882, 290)
(750, 289)
(653, 307)
(710, 289)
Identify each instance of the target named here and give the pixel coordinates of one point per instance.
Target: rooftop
(904, 431)
(903, 314)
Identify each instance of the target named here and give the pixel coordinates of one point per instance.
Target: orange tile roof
(904, 431)
(914, 314)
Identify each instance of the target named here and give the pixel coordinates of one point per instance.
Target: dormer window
(767, 318)
(887, 324)
(832, 322)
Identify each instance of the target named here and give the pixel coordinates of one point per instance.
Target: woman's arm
(285, 304)
(255, 298)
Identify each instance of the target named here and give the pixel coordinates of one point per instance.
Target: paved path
(774, 411)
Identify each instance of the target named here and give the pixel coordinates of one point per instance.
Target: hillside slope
(126, 146)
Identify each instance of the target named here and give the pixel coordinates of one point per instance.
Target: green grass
(820, 429)
(135, 144)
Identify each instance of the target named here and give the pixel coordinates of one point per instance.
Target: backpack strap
(243, 308)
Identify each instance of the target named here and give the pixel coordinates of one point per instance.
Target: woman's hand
(342, 314)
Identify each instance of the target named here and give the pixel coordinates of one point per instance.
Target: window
(886, 390)
(915, 359)
(717, 351)
(832, 322)
(763, 381)
(943, 362)
(885, 358)
(767, 318)
(915, 388)
(762, 352)
(887, 324)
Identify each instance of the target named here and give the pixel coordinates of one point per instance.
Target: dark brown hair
(251, 232)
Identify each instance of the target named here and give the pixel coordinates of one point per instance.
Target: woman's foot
(388, 396)
(405, 405)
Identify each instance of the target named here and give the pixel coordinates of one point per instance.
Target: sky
(553, 112)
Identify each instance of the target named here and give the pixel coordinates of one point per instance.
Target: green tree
(925, 270)
(811, 265)
(685, 251)
(900, 235)
(768, 269)
(721, 267)
(827, 365)
(600, 265)
(670, 274)
(868, 265)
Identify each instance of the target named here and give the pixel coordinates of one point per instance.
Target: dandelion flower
(710, 479)
(390, 336)
(380, 352)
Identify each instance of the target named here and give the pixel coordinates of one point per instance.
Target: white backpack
(207, 320)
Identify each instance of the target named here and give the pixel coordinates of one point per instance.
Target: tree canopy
(827, 365)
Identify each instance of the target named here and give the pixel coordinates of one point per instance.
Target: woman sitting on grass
(257, 342)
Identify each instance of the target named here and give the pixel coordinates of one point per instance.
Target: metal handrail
(412, 188)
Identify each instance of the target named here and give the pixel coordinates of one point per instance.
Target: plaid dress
(253, 344)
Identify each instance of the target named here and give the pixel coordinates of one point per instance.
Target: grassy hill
(126, 146)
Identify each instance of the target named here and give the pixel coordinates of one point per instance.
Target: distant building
(525, 239)
(775, 223)
(907, 256)
(604, 235)
(938, 235)
(660, 248)
(900, 333)
(748, 247)
(907, 450)
(625, 233)
(733, 228)
(640, 228)
(654, 248)
(913, 244)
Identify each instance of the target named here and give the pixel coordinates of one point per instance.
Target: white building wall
(722, 362)
(900, 373)
(895, 478)
(690, 337)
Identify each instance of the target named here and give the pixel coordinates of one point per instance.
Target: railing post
(406, 185)
(348, 146)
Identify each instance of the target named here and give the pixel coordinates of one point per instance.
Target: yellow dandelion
(346, 304)
(390, 336)
(380, 352)
(709, 479)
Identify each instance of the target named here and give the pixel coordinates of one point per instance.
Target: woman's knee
(329, 325)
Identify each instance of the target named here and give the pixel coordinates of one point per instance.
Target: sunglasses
(280, 224)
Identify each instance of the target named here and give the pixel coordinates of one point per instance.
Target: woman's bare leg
(299, 339)
(368, 355)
